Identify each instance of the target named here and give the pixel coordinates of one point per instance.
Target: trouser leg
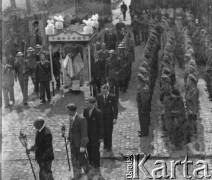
(116, 83)
(47, 89)
(42, 90)
(6, 97)
(25, 93)
(11, 92)
(112, 86)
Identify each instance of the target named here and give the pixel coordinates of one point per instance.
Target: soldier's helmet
(112, 51)
(30, 49)
(145, 65)
(19, 54)
(141, 78)
(193, 63)
(191, 69)
(165, 78)
(166, 71)
(38, 46)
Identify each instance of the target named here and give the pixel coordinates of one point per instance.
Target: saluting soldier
(113, 71)
(95, 126)
(22, 70)
(32, 63)
(107, 103)
(142, 99)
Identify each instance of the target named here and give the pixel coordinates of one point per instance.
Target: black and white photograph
(106, 89)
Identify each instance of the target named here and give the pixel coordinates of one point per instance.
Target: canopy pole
(89, 65)
(50, 50)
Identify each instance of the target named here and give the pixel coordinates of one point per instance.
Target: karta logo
(136, 168)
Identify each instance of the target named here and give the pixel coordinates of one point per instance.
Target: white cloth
(78, 64)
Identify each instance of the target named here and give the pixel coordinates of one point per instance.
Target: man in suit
(95, 132)
(107, 103)
(78, 138)
(43, 149)
(43, 75)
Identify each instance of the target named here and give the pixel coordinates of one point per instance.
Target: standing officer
(43, 148)
(107, 103)
(43, 76)
(78, 138)
(113, 70)
(95, 127)
(22, 70)
(124, 10)
(142, 98)
(32, 64)
(8, 83)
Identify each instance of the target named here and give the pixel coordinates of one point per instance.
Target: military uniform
(8, 84)
(22, 69)
(142, 99)
(113, 70)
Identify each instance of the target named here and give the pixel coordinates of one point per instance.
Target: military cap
(30, 49)
(71, 107)
(166, 70)
(142, 70)
(165, 78)
(192, 78)
(141, 78)
(91, 100)
(39, 120)
(193, 63)
(112, 52)
(38, 46)
(19, 54)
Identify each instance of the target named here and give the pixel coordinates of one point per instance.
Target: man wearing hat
(95, 125)
(119, 27)
(113, 70)
(78, 137)
(142, 99)
(43, 149)
(22, 71)
(32, 63)
(107, 103)
(38, 50)
(43, 76)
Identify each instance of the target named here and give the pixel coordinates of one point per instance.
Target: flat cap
(19, 54)
(38, 46)
(30, 49)
(112, 51)
(71, 107)
(91, 100)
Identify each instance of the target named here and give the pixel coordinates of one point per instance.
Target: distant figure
(36, 33)
(124, 10)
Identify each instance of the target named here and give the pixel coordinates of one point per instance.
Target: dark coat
(44, 147)
(109, 108)
(78, 135)
(95, 124)
(43, 72)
